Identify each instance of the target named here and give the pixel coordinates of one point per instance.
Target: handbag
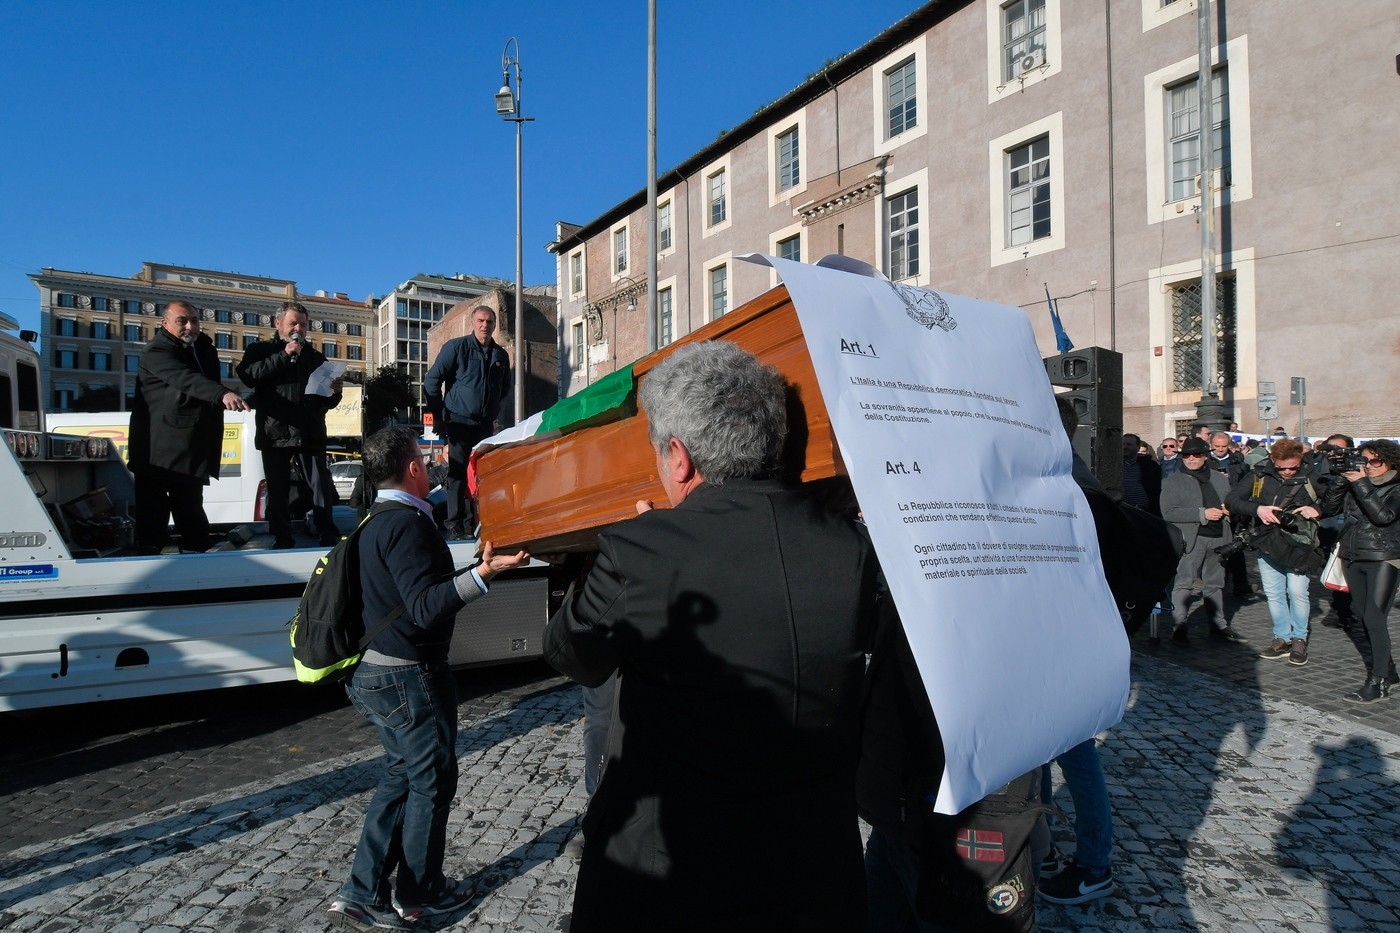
(1333, 574)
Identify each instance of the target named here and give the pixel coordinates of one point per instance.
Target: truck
(84, 617)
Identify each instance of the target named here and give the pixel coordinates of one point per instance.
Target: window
(719, 291)
(355, 330)
(663, 226)
(901, 99)
(1183, 134)
(67, 301)
(354, 352)
(1186, 333)
(249, 339)
(1028, 192)
(67, 327)
(1023, 34)
(578, 334)
(620, 251)
(665, 309)
(223, 340)
(902, 246)
(401, 307)
(101, 330)
(576, 273)
(66, 358)
(133, 362)
(133, 333)
(131, 306)
(100, 360)
(788, 167)
(223, 316)
(225, 369)
(719, 205)
(99, 304)
(791, 248)
(63, 399)
(330, 350)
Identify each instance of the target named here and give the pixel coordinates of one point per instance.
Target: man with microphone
(291, 424)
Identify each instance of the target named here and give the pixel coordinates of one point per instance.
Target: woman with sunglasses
(1370, 548)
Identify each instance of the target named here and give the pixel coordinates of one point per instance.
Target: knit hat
(1194, 445)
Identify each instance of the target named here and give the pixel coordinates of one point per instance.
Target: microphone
(300, 341)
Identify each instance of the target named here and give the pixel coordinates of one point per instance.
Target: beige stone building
(999, 147)
(93, 327)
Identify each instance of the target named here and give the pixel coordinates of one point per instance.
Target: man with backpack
(405, 689)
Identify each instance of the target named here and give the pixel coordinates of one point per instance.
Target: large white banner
(948, 428)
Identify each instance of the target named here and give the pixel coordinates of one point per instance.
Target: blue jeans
(415, 710)
(1093, 820)
(1287, 594)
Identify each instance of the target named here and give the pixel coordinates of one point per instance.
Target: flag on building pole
(1062, 341)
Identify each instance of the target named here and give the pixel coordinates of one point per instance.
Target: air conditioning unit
(1033, 59)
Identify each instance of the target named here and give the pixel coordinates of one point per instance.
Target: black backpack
(328, 630)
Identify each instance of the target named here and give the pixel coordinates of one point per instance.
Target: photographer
(1370, 546)
(1284, 502)
(1338, 457)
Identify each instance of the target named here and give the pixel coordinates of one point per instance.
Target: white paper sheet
(325, 374)
(947, 425)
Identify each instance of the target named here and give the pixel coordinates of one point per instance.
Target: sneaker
(1278, 650)
(1179, 636)
(1227, 633)
(350, 915)
(1077, 884)
(453, 896)
(1052, 866)
(1299, 654)
(573, 849)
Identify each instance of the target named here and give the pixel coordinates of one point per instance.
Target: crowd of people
(743, 709)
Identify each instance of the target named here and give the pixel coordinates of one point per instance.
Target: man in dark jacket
(291, 422)
(464, 391)
(404, 688)
(177, 430)
(1231, 463)
(737, 622)
(1142, 477)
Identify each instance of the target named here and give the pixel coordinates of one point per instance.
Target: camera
(1249, 537)
(1342, 459)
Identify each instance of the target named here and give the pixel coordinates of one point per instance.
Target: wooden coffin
(555, 495)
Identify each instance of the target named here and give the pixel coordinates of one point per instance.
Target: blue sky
(350, 145)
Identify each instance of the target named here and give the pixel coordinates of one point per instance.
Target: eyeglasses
(1284, 469)
(1169, 447)
(1375, 462)
(1189, 456)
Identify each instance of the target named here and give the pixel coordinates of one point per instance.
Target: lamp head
(505, 98)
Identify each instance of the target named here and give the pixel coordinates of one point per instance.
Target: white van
(230, 500)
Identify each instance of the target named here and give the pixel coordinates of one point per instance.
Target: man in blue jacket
(405, 689)
(463, 392)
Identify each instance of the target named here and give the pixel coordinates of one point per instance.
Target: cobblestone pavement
(1246, 797)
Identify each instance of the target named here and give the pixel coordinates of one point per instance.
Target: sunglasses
(1375, 462)
(1284, 469)
(1169, 447)
(1199, 456)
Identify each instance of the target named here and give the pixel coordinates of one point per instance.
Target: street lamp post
(509, 105)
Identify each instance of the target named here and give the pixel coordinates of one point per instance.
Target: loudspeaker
(1094, 377)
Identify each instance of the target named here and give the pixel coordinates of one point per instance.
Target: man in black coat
(177, 430)
(464, 391)
(1231, 463)
(737, 622)
(291, 422)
